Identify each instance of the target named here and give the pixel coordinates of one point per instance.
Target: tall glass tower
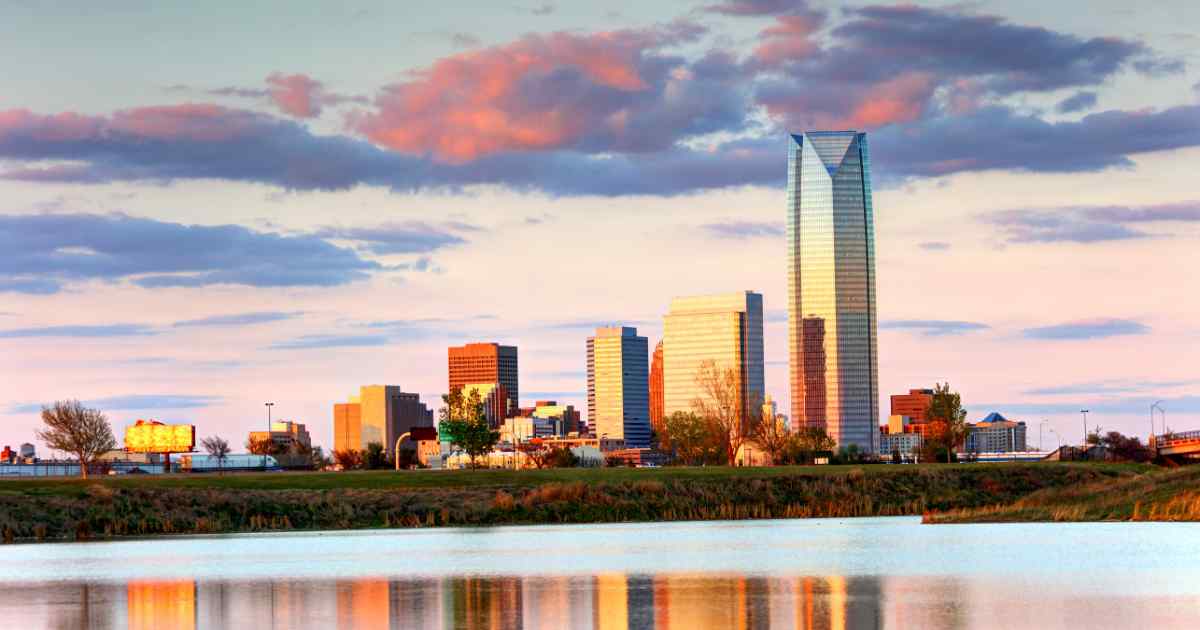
(619, 386)
(834, 373)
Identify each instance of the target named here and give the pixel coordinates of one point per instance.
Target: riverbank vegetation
(1156, 495)
(44, 509)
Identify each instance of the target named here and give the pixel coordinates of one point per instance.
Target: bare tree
(773, 436)
(75, 429)
(723, 405)
(218, 449)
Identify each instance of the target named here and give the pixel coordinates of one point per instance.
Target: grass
(1156, 495)
(62, 509)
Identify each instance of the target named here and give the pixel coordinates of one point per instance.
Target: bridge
(1177, 445)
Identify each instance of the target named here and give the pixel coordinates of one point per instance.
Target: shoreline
(123, 508)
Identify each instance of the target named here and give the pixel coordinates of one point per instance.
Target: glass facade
(834, 374)
(619, 386)
(726, 329)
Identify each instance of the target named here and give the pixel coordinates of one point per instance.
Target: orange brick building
(477, 363)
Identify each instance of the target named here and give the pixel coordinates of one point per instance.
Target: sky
(203, 209)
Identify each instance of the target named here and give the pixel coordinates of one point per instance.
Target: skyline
(155, 280)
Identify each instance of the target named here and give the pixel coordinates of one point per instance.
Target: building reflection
(612, 601)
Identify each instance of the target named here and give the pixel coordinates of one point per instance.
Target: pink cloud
(296, 94)
(791, 38)
(537, 93)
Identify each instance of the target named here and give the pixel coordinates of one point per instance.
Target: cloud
(1087, 329)
(744, 229)
(29, 286)
(934, 246)
(237, 319)
(758, 7)
(545, 8)
(410, 237)
(464, 40)
(80, 331)
(1105, 388)
(883, 65)
(311, 342)
(933, 327)
(1133, 405)
(613, 91)
(62, 248)
(1076, 103)
(137, 402)
(1094, 224)
(996, 138)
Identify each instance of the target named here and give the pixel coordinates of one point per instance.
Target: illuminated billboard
(155, 437)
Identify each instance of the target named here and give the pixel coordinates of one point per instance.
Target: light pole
(1085, 413)
(268, 406)
(1152, 408)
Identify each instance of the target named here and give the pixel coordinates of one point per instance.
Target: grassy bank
(43, 509)
(1172, 495)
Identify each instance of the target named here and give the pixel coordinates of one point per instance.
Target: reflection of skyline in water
(604, 602)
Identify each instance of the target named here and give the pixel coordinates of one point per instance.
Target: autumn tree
(348, 459)
(724, 407)
(217, 448)
(78, 430)
(807, 443)
(463, 423)
(947, 424)
(260, 446)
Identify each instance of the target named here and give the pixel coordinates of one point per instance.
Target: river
(819, 573)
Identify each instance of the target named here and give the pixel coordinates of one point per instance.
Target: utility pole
(1085, 413)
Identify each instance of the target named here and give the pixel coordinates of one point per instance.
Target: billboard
(155, 437)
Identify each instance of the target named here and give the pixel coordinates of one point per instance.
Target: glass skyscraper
(834, 373)
(618, 386)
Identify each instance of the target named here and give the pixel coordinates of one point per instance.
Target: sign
(150, 436)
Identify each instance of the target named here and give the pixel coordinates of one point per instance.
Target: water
(822, 573)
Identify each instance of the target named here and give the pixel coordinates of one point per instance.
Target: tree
(320, 461)
(693, 440)
(807, 443)
(1126, 448)
(773, 435)
(722, 405)
(947, 424)
(217, 448)
(78, 430)
(562, 457)
(375, 456)
(260, 446)
(349, 459)
(464, 424)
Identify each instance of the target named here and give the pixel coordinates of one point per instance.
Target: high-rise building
(914, 404)
(618, 386)
(656, 389)
(485, 363)
(831, 287)
(379, 414)
(726, 329)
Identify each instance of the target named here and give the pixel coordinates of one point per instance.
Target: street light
(268, 406)
(1152, 408)
(1085, 413)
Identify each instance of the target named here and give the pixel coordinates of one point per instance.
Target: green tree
(948, 424)
(693, 439)
(375, 456)
(773, 435)
(807, 444)
(349, 459)
(319, 459)
(463, 423)
(78, 430)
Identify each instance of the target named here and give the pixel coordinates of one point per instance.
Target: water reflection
(605, 602)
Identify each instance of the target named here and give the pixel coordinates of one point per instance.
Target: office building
(833, 358)
(656, 389)
(914, 404)
(477, 363)
(907, 444)
(996, 434)
(726, 329)
(378, 414)
(287, 436)
(564, 418)
(618, 386)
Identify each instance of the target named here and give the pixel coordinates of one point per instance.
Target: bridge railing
(1177, 439)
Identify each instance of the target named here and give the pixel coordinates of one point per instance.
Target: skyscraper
(485, 363)
(834, 374)
(726, 329)
(618, 386)
(656, 389)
